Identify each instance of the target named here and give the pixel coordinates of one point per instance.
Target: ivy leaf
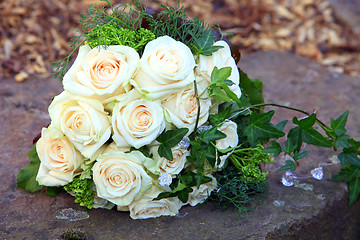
(26, 178)
(289, 165)
(349, 157)
(307, 122)
(260, 128)
(252, 89)
(338, 125)
(342, 140)
(311, 136)
(165, 152)
(169, 139)
(212, 135)
(281, 125)
(224, 113)
(274, 149)
(218, 77)
(294, 140)
(354, 190)
(53, 191)
(218, 94)
(205, 44)
(298, 156)
(229, 82)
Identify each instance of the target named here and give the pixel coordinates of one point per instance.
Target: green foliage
(26, 178)
(194, 33)
(289, 165)
(218, 83)
(182, 186)
(351, 175)
(252, 91)
(111, 34)
(247, 161)
(169, 139)
(236, 191)
(203, 150)
(205, 44)
(83, 190)
(260, 129)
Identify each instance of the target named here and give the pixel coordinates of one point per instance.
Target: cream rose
(182, 108)
(165, 67)
(137, 123)
(173, 167)
(121, 177)
(231, 140)
(82, 120)
(101, 71)
(147, 208)
(199, 195)
(60, 161)
(221, 58)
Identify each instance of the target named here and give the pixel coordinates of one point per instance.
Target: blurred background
(34, 33)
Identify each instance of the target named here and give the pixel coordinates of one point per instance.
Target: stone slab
(348, 12)
(308, 211)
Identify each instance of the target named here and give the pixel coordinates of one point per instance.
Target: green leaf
(219, 95)
(342, 140)
(298, 156)
(229, 82)
(165, 152)
(260, 128)
(274, 149)
(338, 125)
(354, 190)
(212, 135)
(205, 44)
(289, 165)
(294, 140)
(26, 178)
(281, 125)
(218, 77)
(224, 113)
(307, 122)
(351, 158)
(53, 191)
(251, 88)
(172, 137)
(169, 139)
(311, 136)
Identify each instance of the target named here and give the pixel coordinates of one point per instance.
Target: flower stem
(198, 104)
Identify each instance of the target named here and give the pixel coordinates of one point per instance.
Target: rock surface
(312, 209)
(348, 11)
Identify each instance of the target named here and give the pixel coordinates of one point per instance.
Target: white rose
(199, 195)
(182, 108)
(221, 58)
(147, 208)
(82, 120)
(137, 123)
(231, 140)
(121, 177)
(173, 167)
(101, 71)
(165, 66)
(60, 161)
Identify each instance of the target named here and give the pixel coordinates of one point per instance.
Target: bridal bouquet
(155, 115)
